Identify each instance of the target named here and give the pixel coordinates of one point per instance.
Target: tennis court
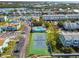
(38, 44)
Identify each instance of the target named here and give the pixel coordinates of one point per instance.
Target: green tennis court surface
(38, 44)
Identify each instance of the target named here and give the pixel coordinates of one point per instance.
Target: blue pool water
(38, 29)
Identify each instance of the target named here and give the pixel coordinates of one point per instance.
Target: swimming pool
(38, 29)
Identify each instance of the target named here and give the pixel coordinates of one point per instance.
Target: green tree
(53, 35)
(60, 23)
(37, 23)
(46, 24)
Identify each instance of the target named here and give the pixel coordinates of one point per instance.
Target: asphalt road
(27, 33)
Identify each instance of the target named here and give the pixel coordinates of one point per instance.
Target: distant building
(71, 25)
(69, 39)
(59, 17)
(2, 19)
(15, 24)
(11, 27)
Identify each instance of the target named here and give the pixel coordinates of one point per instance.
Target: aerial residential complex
(39, 29)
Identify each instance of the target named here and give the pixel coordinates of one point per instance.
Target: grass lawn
(36, 51)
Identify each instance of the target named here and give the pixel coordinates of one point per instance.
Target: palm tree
(53, 36)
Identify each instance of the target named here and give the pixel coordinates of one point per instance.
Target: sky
(42, 0)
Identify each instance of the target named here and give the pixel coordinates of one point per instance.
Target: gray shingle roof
(71, 26)
(60, 16)
(70, 39)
